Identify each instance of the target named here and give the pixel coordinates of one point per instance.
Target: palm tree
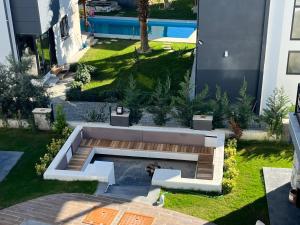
(143, 12)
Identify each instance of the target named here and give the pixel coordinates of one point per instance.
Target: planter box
(119, 120)
(202, 122)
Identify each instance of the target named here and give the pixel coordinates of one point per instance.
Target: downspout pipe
(10, 27)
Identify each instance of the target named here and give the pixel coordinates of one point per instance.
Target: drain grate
(103, 216)
(135, 219)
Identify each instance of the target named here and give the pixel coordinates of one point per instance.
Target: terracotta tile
(101, 216)
(130, 218)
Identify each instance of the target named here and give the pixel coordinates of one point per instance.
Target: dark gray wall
(233, 25)
(26, 15)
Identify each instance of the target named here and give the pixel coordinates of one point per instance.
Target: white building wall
(5, 45)
(66, 49)
(277, 49)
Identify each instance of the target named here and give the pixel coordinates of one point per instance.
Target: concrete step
(204, 176)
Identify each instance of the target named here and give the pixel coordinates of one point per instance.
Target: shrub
(235, 128)
(228, 185)
(221, 108)
(60, 120)
(132, 100)
(40, 168)
(242, 112)
(99, 115)
(83, 73)
(161, 103)
(277, 109)
(18, 95)
(66, 132)
(231, 173)
(185, 107)
(230, 150)
(230, 167)
(52, 149)
(229, 162)
(76, 85)
(83, 76)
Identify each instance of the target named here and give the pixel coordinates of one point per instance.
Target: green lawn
(180, 9)
(116, 62)
(247, 203)
(22, 183)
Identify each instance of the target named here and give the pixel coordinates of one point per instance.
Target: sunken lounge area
(182, 158)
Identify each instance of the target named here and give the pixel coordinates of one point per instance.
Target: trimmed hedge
(230, 167)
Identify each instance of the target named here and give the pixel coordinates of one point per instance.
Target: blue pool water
(130, 27)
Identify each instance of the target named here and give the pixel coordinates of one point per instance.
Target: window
(295, 35)
(64, 27)
(293, 66)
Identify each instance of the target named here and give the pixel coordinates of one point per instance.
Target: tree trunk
(84, 15)
(144, 37)
(143, 11)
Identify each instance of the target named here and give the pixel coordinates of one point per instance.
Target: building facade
(257, 40)
(46, 31)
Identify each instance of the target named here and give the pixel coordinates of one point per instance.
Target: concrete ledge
(168, 178)
(105, 172)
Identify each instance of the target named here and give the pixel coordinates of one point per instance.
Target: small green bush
(76, 85)
(231, 143)
(60, 120)
(230, 166)
(231, 173)
(228, 185)
(52, 149)
(229, 162)
(40, 168)
(230, 149)
(82, 74)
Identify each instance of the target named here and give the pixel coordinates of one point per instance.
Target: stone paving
(277, 183)
(7, 161)
(73, 208)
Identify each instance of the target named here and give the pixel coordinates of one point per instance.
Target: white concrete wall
(5, 44)
(66, 49)
(277, 49)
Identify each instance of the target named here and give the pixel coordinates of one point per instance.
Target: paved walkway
(73, 208)
(281, 211)
(7, 161)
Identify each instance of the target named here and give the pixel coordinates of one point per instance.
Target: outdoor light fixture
(120, 110)
(226, 54)
(200, 42)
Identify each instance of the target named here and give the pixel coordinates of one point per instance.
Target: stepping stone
(107, 42)
(8, 159)
(167, 47)
(114, 40)
(99, 42)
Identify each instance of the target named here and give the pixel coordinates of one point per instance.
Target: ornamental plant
(186, 107)
(221, 108)
(277, 108)
(160, 103)
(132, 100)
(242, 112)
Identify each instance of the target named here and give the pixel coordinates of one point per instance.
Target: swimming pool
(129, 27)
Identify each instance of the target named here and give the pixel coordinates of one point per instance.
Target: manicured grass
(22, 183)
(180, 9)
(116, 62)
(247, 203)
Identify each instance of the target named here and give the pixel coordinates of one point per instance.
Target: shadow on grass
(114, 72)
(246, 215)
(263, 149)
